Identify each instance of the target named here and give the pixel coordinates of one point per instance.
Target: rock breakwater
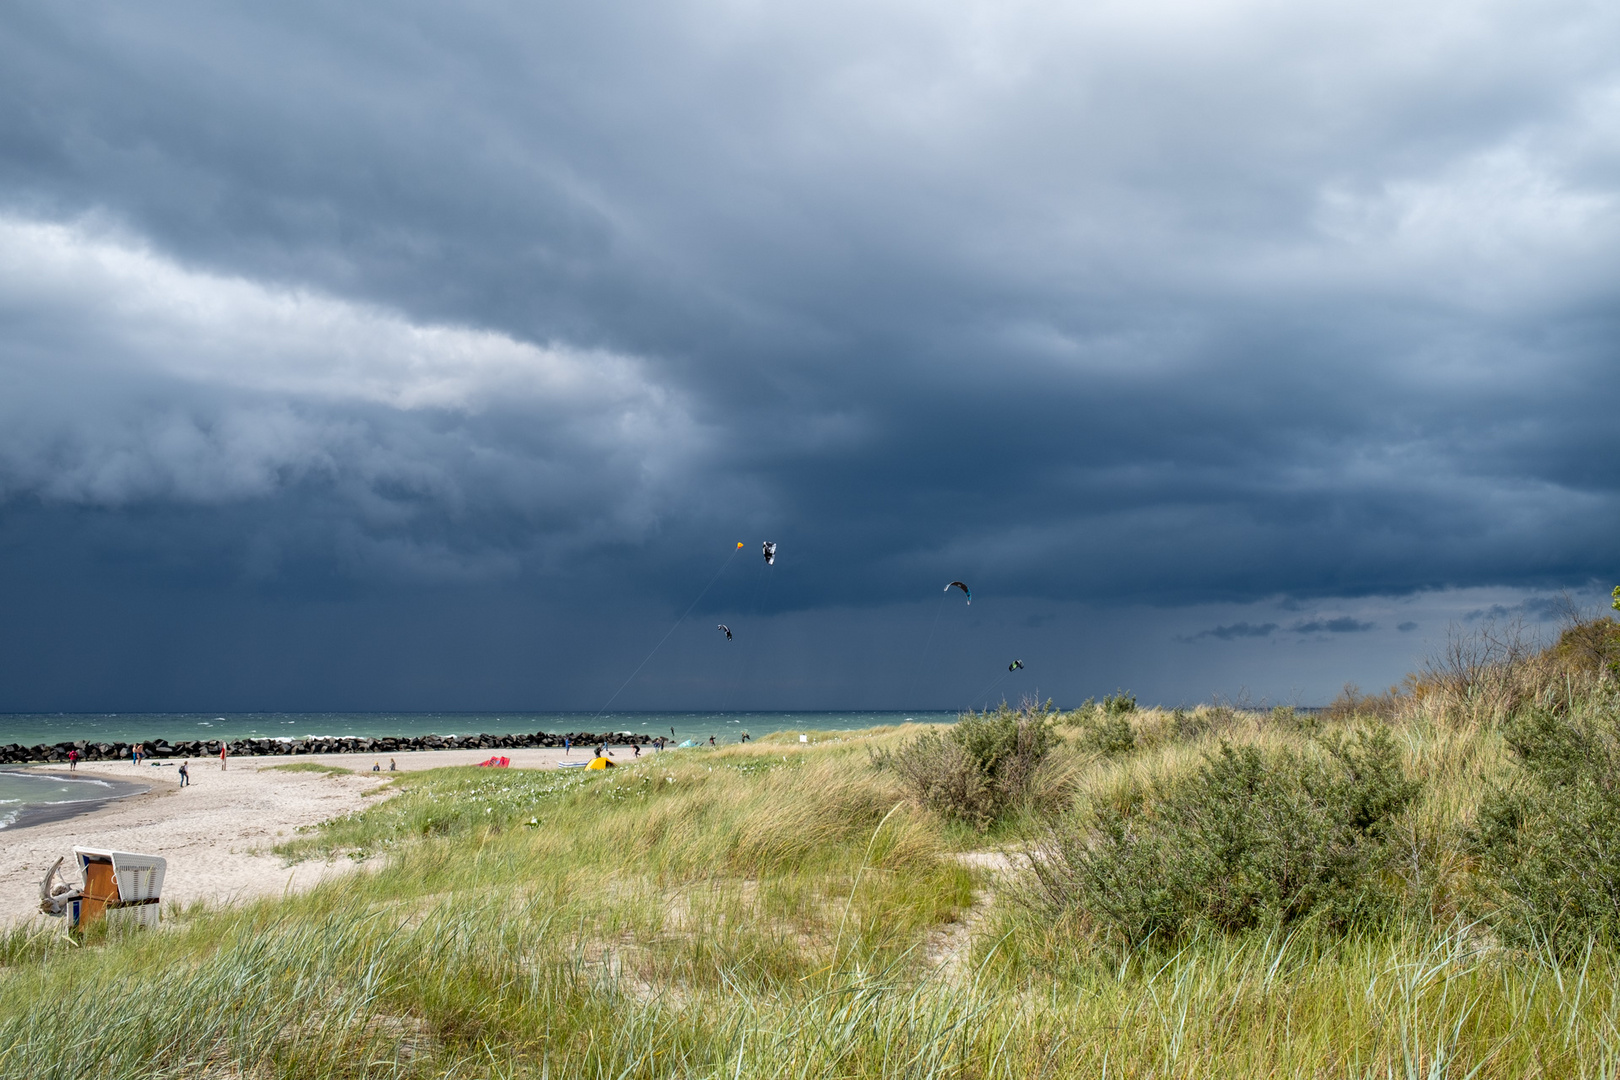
(17, 754)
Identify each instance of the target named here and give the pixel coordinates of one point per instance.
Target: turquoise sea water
(31, 729)
(19, 790)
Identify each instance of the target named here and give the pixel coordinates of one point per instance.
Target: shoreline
(109, 737)
(31, 815)
(218, 833)
(258, 749)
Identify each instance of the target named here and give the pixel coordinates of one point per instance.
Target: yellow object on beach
(600, 763)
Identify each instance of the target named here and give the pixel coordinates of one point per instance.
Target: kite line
(747, 663)
(671, 630)
(922, 657)
(1015, 666)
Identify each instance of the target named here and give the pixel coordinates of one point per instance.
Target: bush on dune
(983, 767)
(1489, 674)
(1250, 839)
(1546, 839)
(1589, 647)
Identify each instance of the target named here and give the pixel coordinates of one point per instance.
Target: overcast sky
(437, 356)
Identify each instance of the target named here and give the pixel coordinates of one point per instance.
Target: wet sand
(217, 833)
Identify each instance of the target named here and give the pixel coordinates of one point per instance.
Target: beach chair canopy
(136, 882)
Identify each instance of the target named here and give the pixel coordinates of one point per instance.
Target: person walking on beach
(135, 754)
(393, 766)
(73, 760)
(711, 740)
(185, 773)
(638, 749)
(224, 751)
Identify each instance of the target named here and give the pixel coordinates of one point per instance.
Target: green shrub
(1186, 725)
(1589, 646)
(1190, 724)
(1104, 728)
(1546, 841)
(1250, 839)
(982, 767)
(1109, 734)
(1119, 704)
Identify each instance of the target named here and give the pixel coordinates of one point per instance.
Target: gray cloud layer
(1105, 305)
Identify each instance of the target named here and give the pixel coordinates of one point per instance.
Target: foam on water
(20, 790)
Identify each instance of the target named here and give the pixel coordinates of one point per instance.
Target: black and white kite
(770, 553)
(726, 630)
(1016, 665)
(962, 586)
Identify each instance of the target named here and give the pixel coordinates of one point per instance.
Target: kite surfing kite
(726, 630)
(962, 586)
(1016, 665)
(770, 553)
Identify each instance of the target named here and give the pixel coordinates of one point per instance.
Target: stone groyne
(17, 754)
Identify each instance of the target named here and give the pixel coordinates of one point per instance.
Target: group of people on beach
(137, 754)
(658, 743)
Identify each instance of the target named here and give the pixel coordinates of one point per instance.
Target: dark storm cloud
(1344, 624)
(1155, 305)
(1536, 608)
(1234, 630)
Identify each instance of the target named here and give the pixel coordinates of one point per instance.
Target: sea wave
(57, 779)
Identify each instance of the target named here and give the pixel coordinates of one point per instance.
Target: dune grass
(310, 767)
(782, 910)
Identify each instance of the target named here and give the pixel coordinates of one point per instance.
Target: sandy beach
(218, 832)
